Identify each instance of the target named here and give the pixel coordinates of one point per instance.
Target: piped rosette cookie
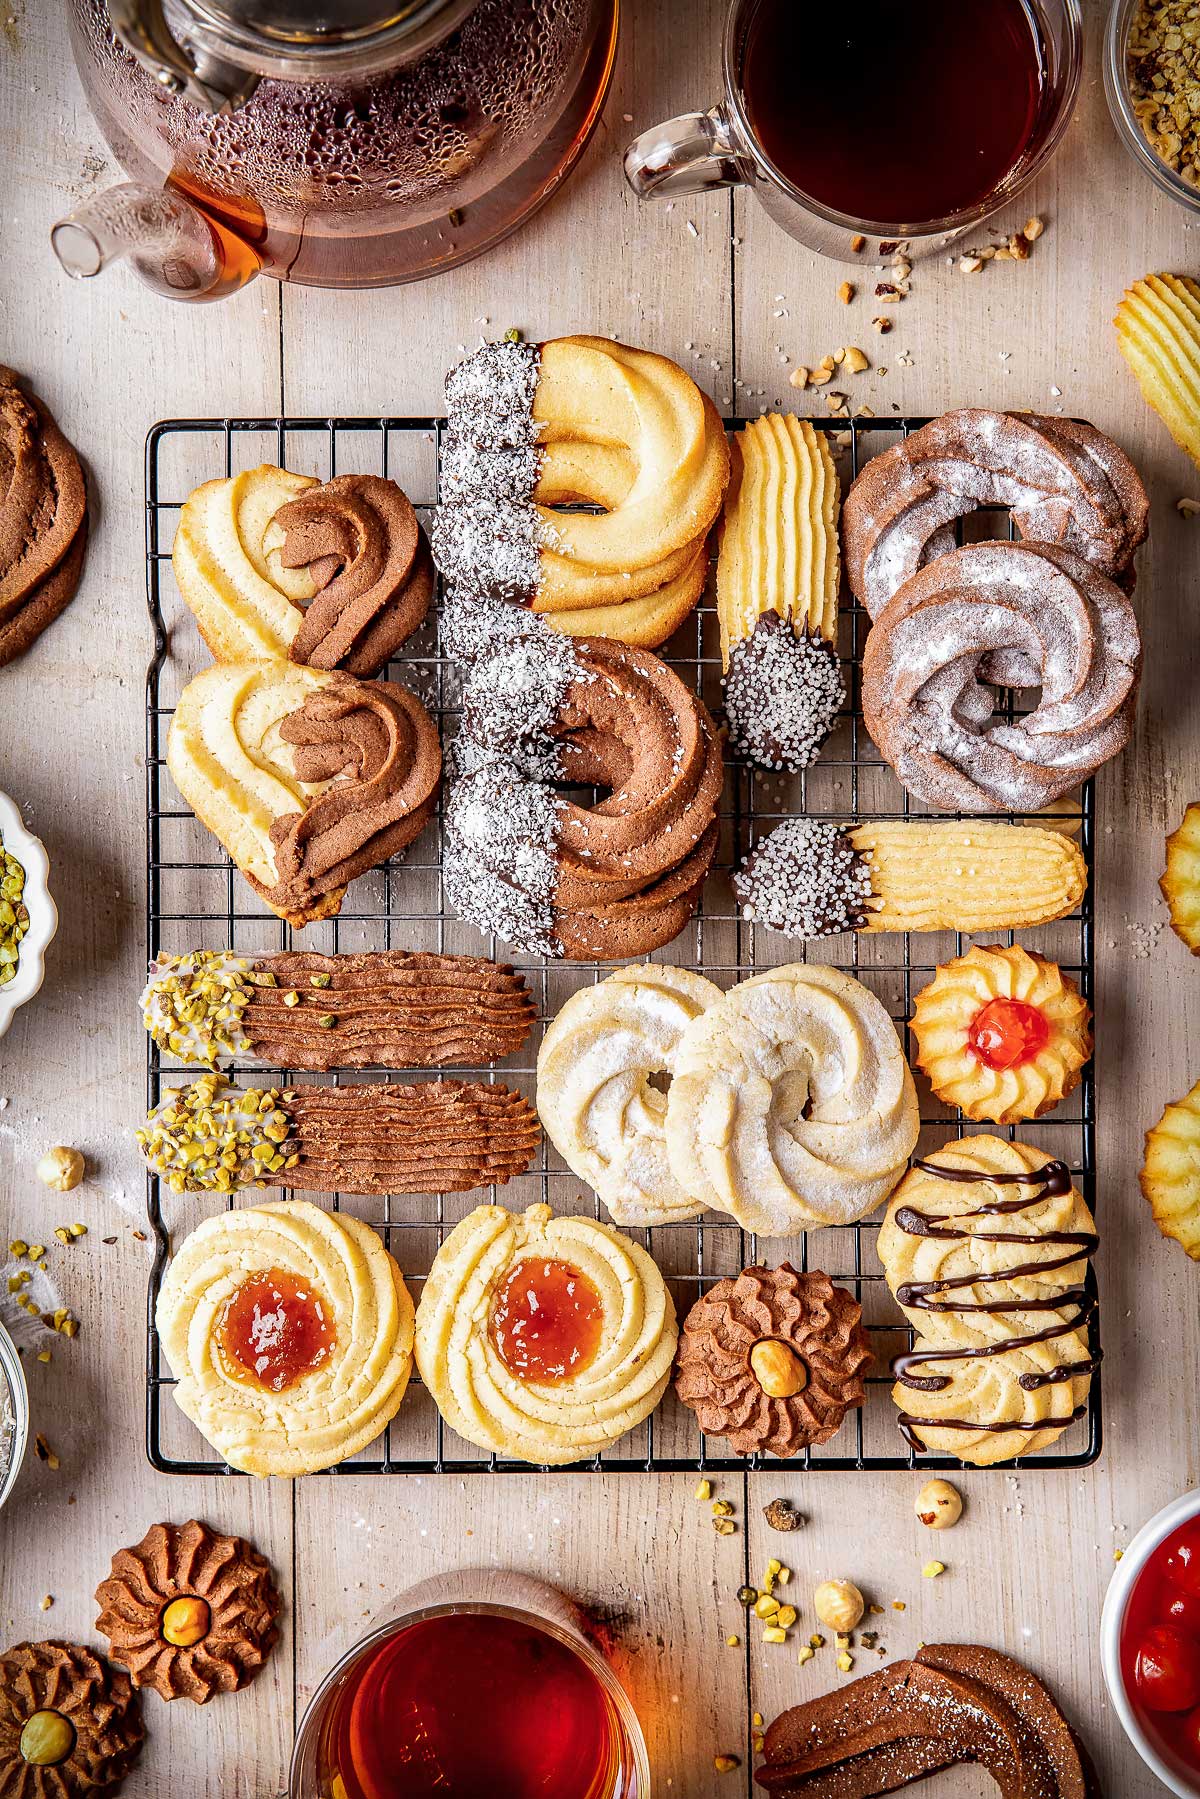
(297, 1009)
(43, 518)
(1064, 482)
(777, 593)
(334, 575)
(307, 778)
(70, 1723)
(289, 1331)
(549, 873)
(1021, 615)
(600, 1086)
(773, 1360)
(808, 878)
(792, 1105)
(377, 1137)
(985, 1248)
(1002, 1033)
(544, 1339)
(534, 427)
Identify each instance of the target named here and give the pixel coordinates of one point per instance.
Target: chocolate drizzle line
(1052, 1180)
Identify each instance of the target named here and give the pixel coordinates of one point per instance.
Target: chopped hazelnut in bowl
(1152, 83)
(28, 915)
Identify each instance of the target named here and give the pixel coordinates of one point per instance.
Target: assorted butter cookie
(297, 1009)
(1002, 1033)
(43, 518)
(307, 778)
(773, 1360)
(792, 1105)
(335, 574)
(596, 1092)
(189, 1611)
(1180, 881)
(70, 1723)
(1158, 334)
(544, 1339)
(1171, 1172)
(373, 1137)
(985, 1247)
(777, 593)
(289, 1331)
(534, 426)
(807, 878)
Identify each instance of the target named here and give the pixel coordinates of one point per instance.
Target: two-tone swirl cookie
(985, 1247)
(808, 878)
(297, 1009)
(377, 1137)
(272, 564)
(307, 778)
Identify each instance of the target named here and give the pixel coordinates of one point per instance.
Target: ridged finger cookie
(1158, 334)
(1180, 881)
(596, 1095)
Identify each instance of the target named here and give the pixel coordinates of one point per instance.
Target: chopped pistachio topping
(14, 915)
(211, 1137)
(193, 1005)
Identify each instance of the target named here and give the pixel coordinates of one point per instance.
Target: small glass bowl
(1120, 105)
(14, 1399)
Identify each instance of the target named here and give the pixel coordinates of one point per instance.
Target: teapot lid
(216, 51)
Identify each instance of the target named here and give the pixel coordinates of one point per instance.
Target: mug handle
(693, 154)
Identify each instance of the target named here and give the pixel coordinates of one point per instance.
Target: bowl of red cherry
(1150, 1644)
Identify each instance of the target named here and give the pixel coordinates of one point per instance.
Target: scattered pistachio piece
(703, 1490)
(725, 1764)
(931, 1570)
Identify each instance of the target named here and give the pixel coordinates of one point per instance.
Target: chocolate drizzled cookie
(43, 518)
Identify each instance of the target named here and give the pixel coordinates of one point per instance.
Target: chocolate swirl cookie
(70, 1725)
(43, 518)
(189, 1611)
(773, 1360)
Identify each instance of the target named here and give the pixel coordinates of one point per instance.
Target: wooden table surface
(714, 284)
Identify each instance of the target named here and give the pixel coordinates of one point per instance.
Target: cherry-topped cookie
(1002, 1033)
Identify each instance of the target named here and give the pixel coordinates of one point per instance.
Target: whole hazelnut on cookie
(839, 1604)
(61, 1168)
(939, 1505)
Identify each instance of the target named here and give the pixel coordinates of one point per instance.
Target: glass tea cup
(762, 48)
(477, 1677)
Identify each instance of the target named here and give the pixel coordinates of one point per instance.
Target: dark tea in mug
(902, 112)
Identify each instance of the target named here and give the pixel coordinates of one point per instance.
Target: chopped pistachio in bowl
(14, 1415)
(28, 915)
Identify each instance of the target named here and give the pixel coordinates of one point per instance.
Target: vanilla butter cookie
(595, 1086)
(544, 1339)
(290, 1333)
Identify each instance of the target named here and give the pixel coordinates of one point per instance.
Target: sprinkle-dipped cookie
(807, 878)
(1002, 1033)
(297, 1009)
(544, 1339)
(777, 593)
(1171, 1172)
(289, 1330)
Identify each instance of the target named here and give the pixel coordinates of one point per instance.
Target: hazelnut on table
(839, 1605)
(61, 1168)
(939, 1505)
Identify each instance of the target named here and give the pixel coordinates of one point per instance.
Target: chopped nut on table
(781, 1514)
(61, 1168)
(939, 1505)
(839, 1604)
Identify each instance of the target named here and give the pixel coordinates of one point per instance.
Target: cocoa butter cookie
(43, 518)
(70, 1724)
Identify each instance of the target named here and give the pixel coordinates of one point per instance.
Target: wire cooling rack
(196, 899)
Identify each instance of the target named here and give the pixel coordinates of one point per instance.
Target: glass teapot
(337, 143)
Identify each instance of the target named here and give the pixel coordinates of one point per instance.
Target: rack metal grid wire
(197, 900)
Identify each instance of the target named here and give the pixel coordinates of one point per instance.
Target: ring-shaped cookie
(544, 1422)
(792, 1104)
(330, 1411)
(596, 1095)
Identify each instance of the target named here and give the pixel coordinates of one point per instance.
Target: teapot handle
(692, 154)
(169, 244)
(205, 80)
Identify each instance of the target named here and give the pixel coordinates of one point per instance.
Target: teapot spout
(168, 243)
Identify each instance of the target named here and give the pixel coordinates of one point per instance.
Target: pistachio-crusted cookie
(289, 1330)
(189, 1611)
(773, 1360)
(544, 1339)
(1002, 1033)
(70, 1724)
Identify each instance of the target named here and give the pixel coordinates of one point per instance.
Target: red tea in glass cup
(480, 1686)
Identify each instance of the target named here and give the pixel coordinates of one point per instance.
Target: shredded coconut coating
(805, 879)
(490, 393)
(499, 866)
(783, 693)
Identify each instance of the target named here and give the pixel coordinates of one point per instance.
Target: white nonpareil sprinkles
(805, 879)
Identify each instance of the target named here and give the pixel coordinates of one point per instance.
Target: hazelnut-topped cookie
(70, 1724)
(773, 1360)
(1002, 1033)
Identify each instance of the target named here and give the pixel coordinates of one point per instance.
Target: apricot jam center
(275, 1329)
(546, 1321)
(1007, 1032)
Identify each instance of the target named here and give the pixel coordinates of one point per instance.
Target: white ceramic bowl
(14, 1397)
(1116, 1603)
(43, 913)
